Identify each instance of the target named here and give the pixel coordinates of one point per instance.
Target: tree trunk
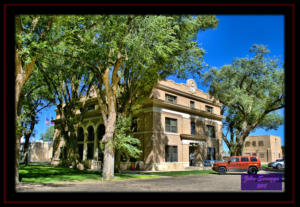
(109, 153)
(17, 159)
(57, 144)
(25, 150)
(108, 165)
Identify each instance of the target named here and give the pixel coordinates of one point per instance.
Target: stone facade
(266, 147)
(187, 109)
(179, 126)
(38, 151)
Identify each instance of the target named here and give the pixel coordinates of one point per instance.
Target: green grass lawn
(43, 173)
(264, 166)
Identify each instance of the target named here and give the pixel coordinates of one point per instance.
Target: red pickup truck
(250, 164)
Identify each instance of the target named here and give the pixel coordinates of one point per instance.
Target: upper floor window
(209, 109)
(171, 125)
(247, 144)
(192, 104)
(171, 99)
(193, 127)
(210, 131)
(261, 143)
(254, 143)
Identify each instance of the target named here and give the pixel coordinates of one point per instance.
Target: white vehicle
(280, 163)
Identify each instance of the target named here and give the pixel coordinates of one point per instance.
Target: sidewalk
(191, 168)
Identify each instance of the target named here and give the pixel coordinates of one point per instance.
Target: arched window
(90, 133)
(80, 138)
(100, 134)
(80, 134)
(90, 144)
(100, 131)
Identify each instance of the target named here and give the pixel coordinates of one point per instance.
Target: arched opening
(80, 139)
(90, 143)
(100, 134)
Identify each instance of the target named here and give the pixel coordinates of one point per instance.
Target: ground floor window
(171, 153)
(211, 153)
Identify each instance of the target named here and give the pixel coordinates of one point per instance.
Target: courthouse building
(266, 147)
(178, 127)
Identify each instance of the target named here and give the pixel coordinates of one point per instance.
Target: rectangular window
(171, 125)
(171, 99)
(210, 131)
(209, 109)
(247, 144)
(193, 127)
(245, 159)
(261, 143)
(211, 153)
(171, 153)
(192, 104)
(261, 155)
(253, 143)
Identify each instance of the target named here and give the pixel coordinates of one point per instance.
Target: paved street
(200, 183)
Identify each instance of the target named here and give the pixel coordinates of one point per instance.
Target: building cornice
(185, 94)
(193, 137)
(181, 108)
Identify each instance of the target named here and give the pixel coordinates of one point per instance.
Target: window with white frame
(171, 153)
(171, 125)
(171, 99)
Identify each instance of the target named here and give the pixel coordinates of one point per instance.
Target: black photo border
(10, 196)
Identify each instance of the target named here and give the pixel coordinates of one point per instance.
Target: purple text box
(261, 182)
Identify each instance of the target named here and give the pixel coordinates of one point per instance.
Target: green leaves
(124, 143)
(48, 135)
(252, 89)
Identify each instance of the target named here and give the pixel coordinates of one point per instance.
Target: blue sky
(232, 38)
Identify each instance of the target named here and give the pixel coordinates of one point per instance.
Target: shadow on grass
(42, 173)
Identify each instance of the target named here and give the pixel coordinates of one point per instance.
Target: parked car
(210, 163)
(250, 164)
(279, 163)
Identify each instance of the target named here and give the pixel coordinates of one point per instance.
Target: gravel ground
(230, 182)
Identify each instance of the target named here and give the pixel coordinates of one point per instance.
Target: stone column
(84, 157)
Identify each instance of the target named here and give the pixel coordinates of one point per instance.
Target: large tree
(35, 97)
(251, 91)
(69, 82)
(128, 54)
(31, 40)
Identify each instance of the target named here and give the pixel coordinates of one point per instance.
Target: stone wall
(40, 151)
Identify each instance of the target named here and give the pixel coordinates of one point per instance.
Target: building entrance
(192, 155)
